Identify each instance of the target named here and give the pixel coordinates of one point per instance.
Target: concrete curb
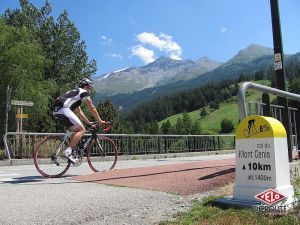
(18, 162)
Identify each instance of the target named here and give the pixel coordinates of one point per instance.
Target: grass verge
(202, 213)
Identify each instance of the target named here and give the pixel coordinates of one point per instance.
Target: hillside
(211, 124)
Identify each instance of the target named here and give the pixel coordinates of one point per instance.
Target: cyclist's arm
(82, 116)
(94, 111)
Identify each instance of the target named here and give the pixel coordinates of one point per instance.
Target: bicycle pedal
(77, 163)
(54, 159)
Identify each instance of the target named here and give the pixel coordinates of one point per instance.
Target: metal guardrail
(241, 96)
(21, 145)
(275, 112)
(256, 108)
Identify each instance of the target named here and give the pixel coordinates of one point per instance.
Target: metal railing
(241, 96)
(276, 112)
(256, 108)
(22, 145)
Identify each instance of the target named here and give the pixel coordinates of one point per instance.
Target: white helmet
(85, 82)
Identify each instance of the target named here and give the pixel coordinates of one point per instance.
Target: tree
(22, 64)
(196, 128)
(214, 105)
(40, 59)
(226, 126)
(68, 60)
(187, 123)
(179, 126)
(259, 75)
(108, 112)
(154, 128)
(295, 85)
(166, 127)
(203, 112)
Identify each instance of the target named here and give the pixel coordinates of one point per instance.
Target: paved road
(27, 198)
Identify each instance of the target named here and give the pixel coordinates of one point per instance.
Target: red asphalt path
(183, 178)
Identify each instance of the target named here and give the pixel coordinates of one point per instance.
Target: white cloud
(145, 54)
(105, 40)
(114, 55)
(224, 29)
(163, 42)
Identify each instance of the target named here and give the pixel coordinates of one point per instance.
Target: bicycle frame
(66, 136)
(58, 164)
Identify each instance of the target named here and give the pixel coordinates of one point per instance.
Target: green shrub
(226, 126)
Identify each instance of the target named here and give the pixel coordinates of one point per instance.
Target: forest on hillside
(211, 95)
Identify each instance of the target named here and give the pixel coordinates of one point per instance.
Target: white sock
(68, 150)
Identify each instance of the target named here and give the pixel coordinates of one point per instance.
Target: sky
(132, 33)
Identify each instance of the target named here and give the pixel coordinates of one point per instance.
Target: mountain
(245, 62)
(162, 71)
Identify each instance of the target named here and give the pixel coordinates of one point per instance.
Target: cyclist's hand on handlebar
(102, 122)
(106, 126)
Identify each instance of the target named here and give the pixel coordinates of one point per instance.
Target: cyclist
(68, 103)
(250, 124)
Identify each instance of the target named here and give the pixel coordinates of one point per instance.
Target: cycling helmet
(85, 82)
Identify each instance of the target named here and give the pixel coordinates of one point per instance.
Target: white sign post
(261, 163)
(21, 103)
(20, 114)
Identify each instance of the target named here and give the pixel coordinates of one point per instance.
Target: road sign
(21, 103)
(262, 161)
(21, 116)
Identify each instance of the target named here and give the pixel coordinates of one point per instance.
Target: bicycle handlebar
(95, 126)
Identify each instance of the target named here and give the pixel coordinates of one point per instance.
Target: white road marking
(9, 174)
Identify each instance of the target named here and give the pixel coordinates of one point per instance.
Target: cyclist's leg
(76, 126)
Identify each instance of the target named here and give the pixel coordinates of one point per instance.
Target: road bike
(101, 153)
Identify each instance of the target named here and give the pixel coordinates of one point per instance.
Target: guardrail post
(159, 145)
(298, 126)
(129, 145)
(286, 123)
(121, 149)
(214, 143)
(267, 105)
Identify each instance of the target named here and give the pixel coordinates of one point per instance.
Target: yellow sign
(260, 127)
(21, 116)
(277, 57)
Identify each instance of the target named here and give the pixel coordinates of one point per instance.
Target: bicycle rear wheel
(102, 154)
(49, 159)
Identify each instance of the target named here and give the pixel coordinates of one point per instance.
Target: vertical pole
(21, 119)
(18, 120)
(267, 106)
(279, 69)
(7, 108)
(298, 127)
(6, 118)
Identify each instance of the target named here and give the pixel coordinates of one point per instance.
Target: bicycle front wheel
(49, 159)
(102, 154)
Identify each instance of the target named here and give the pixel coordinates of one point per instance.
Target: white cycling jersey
(65, 104)
(72, 99)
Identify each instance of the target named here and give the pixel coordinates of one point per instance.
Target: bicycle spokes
(102, 154)
(49, 159)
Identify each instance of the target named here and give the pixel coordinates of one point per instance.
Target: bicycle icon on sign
(251, 129)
